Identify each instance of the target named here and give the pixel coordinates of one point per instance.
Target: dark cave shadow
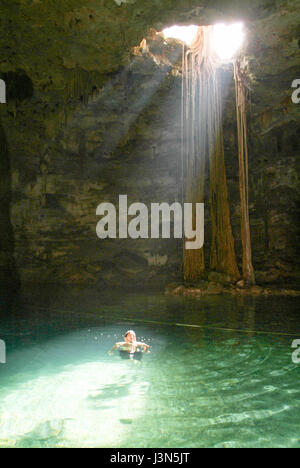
(19, 87)
(9, 276)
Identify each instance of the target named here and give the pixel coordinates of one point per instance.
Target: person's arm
(144, 346)
(116, 346)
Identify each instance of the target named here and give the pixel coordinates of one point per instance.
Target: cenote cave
(149, 251)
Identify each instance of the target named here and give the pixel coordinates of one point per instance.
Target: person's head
(130, 336)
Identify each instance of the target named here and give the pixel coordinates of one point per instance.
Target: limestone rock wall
(91, 115)
(125, 140)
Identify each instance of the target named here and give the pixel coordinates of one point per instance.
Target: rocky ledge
(218, 284)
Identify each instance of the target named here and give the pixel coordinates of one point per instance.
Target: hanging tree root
(203, 141)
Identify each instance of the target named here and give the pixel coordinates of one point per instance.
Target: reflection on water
(82, 405)
(226, 380)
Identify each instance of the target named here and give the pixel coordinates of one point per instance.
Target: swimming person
(130, 348)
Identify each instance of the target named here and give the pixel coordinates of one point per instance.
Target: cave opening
(227, 39)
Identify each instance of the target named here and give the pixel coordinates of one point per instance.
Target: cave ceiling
(49, 40)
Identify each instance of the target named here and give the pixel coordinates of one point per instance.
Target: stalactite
(81, 85)
(202, 142)
(248, 271)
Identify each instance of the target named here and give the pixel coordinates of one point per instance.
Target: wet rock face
(273, 196)
(93, 118)
(8, 272)
(124, 141)
(275, 206)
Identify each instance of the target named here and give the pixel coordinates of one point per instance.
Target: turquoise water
(226, 380)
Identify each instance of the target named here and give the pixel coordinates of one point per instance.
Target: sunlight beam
(227, 39)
